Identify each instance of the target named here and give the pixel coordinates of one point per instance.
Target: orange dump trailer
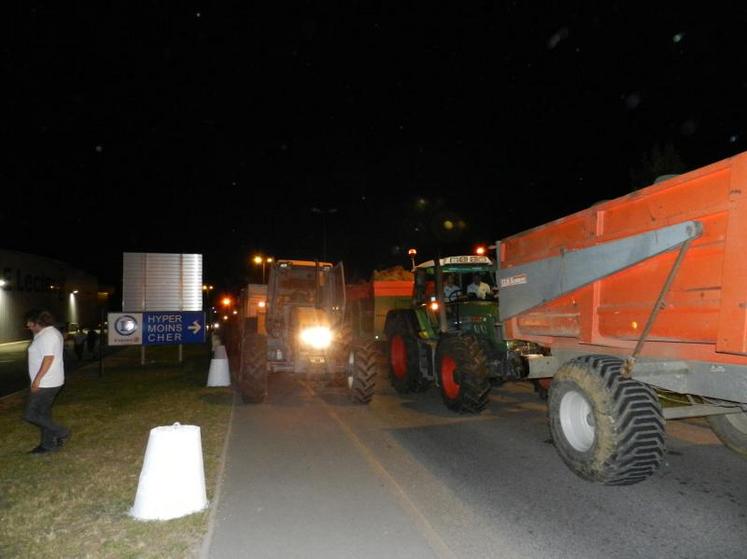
(637, 298)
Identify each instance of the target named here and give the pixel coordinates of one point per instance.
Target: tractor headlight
(318, 337)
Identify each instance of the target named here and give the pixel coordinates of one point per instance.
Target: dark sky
(178, 127)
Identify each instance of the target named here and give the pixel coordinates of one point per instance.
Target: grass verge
(75, 502)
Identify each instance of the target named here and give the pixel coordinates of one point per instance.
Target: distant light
(412, 252)
(448, 225)
(226, 301)
(480, 251)
(261, 304)
(225, 317)
(678, 37)
(75, 292)
(235, 311)
(258, 260)
(269, 259)
(434, 305)
(3, 283)
(216, 325)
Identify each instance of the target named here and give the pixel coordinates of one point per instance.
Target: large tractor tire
(606, 428)
(362, 369)
(252, 375)
(343, 347)
(462, 372)
(404, 358)
(731, 429)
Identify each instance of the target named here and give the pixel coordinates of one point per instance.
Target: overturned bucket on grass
(172, 481)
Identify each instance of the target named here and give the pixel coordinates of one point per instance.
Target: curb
(208, 539)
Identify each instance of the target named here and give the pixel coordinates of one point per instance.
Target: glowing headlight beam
(318, 337)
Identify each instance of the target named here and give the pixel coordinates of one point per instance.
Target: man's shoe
(61, 440)
(41, 450)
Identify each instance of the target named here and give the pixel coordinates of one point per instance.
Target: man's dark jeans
(39, 413)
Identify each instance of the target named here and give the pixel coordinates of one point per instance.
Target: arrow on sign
(195, 327)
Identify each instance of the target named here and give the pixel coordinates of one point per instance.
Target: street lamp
(262, 260)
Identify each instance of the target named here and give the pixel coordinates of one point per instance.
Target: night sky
(178, 127)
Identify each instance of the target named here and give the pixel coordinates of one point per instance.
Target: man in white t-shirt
(47, 375)
(478, 288)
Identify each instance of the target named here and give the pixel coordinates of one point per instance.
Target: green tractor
(452, 335)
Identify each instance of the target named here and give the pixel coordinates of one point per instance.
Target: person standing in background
(91, 338)
(79, 343)
(47, 375)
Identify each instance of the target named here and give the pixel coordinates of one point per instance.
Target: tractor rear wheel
(362, 368)
(731, 429)
(404, 359)
(606, 428)
(252, 374)
(462, 371)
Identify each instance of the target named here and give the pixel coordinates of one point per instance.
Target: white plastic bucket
(172, 481)
(220, 352)
(219, 375)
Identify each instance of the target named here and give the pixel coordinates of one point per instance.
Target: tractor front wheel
(404, 360)
(462, 372)
(252, 375)
(362, 367)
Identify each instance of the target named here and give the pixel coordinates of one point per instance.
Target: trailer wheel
(361, 371)
(731, 429)
(252, 377)
(462, 372)
(606, 428)
(404, 360)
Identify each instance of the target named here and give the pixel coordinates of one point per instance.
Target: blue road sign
(173, 327)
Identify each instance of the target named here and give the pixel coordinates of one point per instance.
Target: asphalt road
(310, 475)
(14, 374)
(13, 368)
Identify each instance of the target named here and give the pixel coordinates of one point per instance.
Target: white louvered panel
(162, 282)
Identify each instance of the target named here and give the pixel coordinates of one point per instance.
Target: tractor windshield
(299, 284)
(460, 283)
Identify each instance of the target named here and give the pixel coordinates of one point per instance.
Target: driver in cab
(451, 289)
(478, 288)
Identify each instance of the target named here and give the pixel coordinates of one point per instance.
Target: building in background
(28, 281)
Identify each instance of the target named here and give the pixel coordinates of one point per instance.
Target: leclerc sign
(171, 328)
(157, 328)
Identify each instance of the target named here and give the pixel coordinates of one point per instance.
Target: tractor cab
(305, 310)
(468, 294)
